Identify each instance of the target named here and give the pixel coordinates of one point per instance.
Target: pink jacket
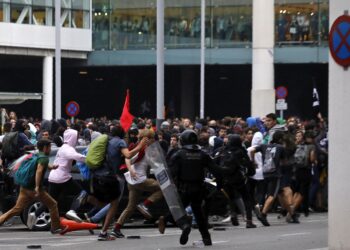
(64, 158)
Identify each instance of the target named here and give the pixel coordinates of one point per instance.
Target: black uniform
(188, 166)
(236, 167)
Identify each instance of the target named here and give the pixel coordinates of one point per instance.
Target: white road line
(325, 248)
(295, 234)
(220, 242)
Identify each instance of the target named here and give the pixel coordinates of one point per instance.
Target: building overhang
(7, 98)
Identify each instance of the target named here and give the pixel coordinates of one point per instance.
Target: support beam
(47, 88)
(339, 157)
(263, 92)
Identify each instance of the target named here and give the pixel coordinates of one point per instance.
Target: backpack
(269, 163)
(10, 148)
(301, 156)
(25, 174)
(237, 172)
(14, 166)
(97, 152)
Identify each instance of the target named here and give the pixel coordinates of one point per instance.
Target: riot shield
(155, 158)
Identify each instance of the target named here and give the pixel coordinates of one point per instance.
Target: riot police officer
(188, 166)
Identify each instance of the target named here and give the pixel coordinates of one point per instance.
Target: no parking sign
(339, 40)
(72, 109)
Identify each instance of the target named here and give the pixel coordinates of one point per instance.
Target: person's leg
(315, 185)
(184, 222)
(243, 190)
(51, 204)
(196, 204)
(100, 214)
(130, 208)
(251, 184)
(273, 186)
(110, 215)
(54, 190)
(286, 199)
(152, 185)
(24, 198)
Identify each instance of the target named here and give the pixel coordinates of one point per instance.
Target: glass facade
(75, 13)
(301, 22)
(131, 24)
(120, 24)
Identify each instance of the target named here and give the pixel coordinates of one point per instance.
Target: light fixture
(83, 72)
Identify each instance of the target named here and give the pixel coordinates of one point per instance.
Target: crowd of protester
(255, 162)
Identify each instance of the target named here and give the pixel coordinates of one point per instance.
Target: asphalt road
(310, 234)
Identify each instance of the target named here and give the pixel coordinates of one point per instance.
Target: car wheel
(43, 222)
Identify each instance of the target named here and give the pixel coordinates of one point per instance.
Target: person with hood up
(60, 179)
(236, 166)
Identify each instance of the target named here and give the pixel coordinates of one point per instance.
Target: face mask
(133, 139)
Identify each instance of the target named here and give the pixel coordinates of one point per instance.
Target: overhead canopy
(7, 98)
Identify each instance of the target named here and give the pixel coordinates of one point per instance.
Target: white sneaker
(226, 220)
(31, 220)
(71, 214)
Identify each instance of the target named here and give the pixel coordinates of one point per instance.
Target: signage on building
(72, 109)
(339, 40)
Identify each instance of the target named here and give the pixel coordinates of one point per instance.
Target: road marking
(295, 234)
(220, 242)
(325, 248)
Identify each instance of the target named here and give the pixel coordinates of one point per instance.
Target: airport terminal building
(109, 46)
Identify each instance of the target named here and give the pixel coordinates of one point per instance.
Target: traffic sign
(72, 109)
(339, 40)
(281, 92)
(281, 104)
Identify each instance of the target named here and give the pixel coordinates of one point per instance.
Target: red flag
(126, 118)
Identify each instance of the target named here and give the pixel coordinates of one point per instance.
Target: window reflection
(301, 22)
(122, 24)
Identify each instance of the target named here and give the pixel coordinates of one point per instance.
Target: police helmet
(188, 137)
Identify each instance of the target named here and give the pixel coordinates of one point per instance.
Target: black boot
(250, 224)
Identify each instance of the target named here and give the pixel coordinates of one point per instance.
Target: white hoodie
(64, 158)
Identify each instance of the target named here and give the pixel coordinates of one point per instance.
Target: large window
(74, 13)
(301, 22)
(121, 24)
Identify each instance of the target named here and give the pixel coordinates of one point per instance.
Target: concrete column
(263, 91)
(339, 157)
(48, 88)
